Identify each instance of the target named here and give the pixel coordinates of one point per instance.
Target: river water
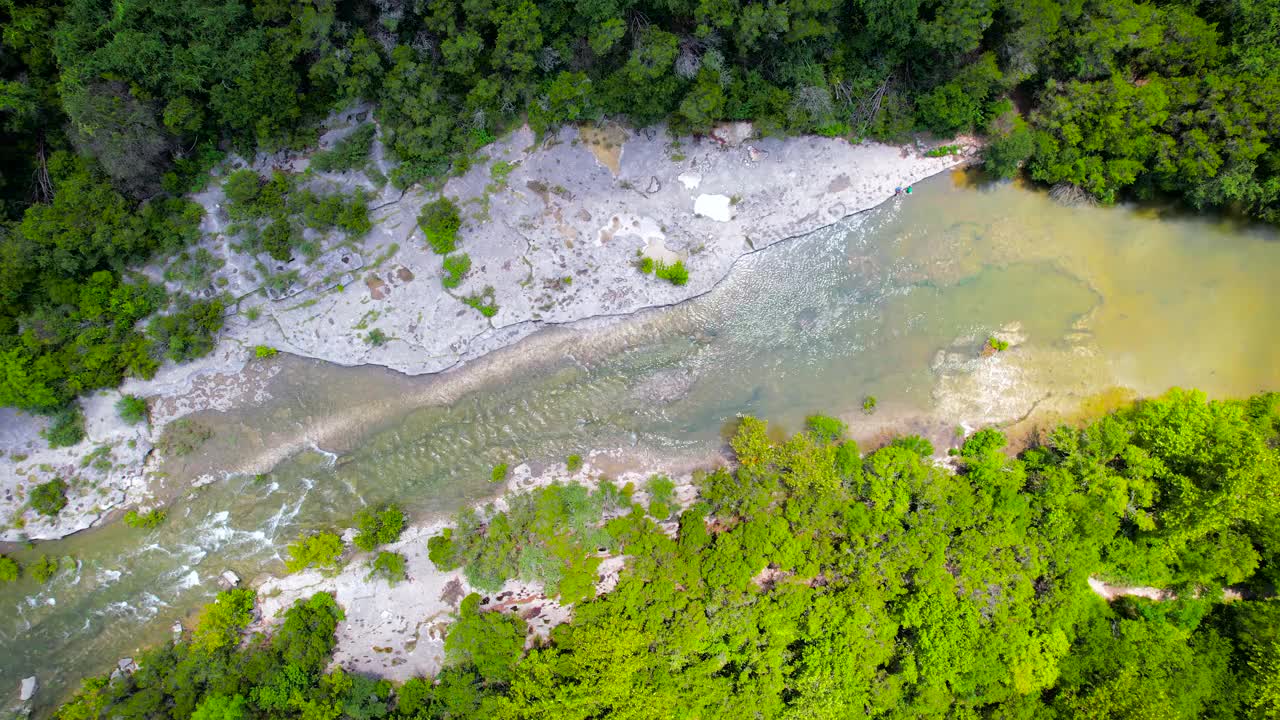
(895, 303)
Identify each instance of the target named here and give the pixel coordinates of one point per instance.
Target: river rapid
(1101, 304)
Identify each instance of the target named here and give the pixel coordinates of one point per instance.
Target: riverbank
(398, 631)
(554, 227)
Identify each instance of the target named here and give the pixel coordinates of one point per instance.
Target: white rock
(28, 689)
(690, 180)
(231, 579)
(715, 207)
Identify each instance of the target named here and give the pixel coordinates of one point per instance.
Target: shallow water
(895, 303)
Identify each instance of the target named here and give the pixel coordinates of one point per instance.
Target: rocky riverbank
(554, 226)
(398, 631)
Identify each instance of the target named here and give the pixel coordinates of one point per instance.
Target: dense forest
(815, 581)
(113, 109)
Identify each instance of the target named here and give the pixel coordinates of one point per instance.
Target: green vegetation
(376, 337)
(455, 267)
(869, 404)
(815, 582)
(388, 566)
(996, 344)
(264, 351)
(349, 153)
(661, 496)
(43, 569)
(273, 214)
(646, 265)
(499, 473)
(145, 521)
(573, 463)
(132, 409)
(943, 151)
(182, 437)
(193, 270)
(484, 302)
(9, 569)
(188, 333)
(222, 620)
(322, 550)
(675, 273)
(440, 222)
(49, 498)
(547, 536)
(379, 527)
(66, 427)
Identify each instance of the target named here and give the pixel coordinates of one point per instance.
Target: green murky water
(895, 303)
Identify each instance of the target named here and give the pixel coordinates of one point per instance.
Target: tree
(9, 569)
(220, 707)
(380, 527)
(222, 621)
(491, 642)
(322, 550)
(440, 222)
(132, 409)
(49, 498)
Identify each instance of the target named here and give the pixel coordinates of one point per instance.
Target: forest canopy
(815, 581)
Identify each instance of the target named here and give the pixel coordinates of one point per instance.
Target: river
(895, 303)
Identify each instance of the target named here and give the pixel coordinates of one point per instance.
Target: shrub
(145, 521)
(222, 620)
(440, 222)
(376, 338)
(915, 444)
(573, 463)
(182, 437)
(242, 187)
(9, 569)
(322, 550)
(49, 498)
(499, 473)
(997, 344)
(66, 427)
(646, 265)
(379, 528)
(388, 566)
(943, 151)
(675, 273)
(348, 153)
(869, 404)
(455, 267)
(661, 493)
(188, 333)
(825, 428)
(264, 351)
(43, 569)
(132, 409)
(1009, 142)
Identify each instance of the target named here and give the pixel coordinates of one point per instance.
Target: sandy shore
(556, 231)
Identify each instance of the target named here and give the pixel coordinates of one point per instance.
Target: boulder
(28, 688)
